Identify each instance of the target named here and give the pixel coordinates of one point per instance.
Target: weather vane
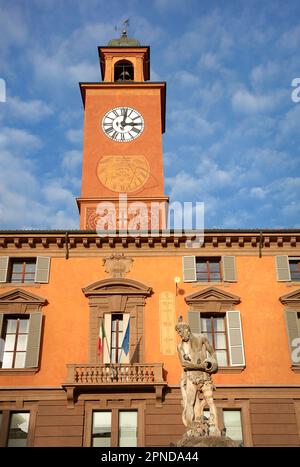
(125, 27)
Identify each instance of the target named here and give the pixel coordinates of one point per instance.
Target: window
(124, 71)
(116, 338)
(101, 434)
(292, 319)
(224, 331)
(20, 334)
(115, 428)
(214, 328)
(18, 429)
(233, 424)
(208, 269)
(15, 336)
(287, 268)
(116, 342)
(294, 264)
(22, 270)
(231, 420)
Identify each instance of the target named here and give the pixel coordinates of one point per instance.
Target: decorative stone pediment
(21, 296)
(117, 286)
(212, 299)
(292, 298)
(212, 294)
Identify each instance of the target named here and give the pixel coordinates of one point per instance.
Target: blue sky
(232, 133)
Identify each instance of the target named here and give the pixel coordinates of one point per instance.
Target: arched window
(124, 71)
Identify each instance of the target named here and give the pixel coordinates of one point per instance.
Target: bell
(125, 76)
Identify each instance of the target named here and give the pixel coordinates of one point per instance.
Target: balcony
(137, 375)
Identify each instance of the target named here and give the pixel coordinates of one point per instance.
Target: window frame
(244, 408)
(208, 260)
(114, 408)
(7, 411)
(294, 258)
(212, 315)
(4, 334)
(25, 261)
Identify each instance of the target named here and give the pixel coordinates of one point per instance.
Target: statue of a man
(199, 361)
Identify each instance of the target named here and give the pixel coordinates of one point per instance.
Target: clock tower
(124, 118)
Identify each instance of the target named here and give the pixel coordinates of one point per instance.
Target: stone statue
(199, 361)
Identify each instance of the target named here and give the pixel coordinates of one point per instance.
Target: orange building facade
(87, 318)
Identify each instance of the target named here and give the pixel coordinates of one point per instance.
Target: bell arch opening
(123, 71)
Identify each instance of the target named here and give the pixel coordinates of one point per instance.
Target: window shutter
(34, 339)
(235, 338)
(107, 338)
(4, 260)
(283, 268)
(42, 269)
(194, 321)
(229, 268)
(124, 357)
(293, 331)
(1, 340)
(189, 268)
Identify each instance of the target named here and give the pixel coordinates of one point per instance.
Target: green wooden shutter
(34, 339)
(235, 338)
(189, 268)
(283, 268)
(194, 321)
(1, 340)
(4, 260)
(42, 269)
(293, 331)
(229, 268)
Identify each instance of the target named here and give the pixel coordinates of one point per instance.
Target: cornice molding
(218, 241)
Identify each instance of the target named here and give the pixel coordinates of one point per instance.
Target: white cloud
(32, 111)
(209, 61)
(186, 78)
(189, 121)
(245, 102)
(263, 74)
(258, 192)
(28, 200)
(18, 139)
(74, 136)
(72, 160)
(288, 126)
(290, 39)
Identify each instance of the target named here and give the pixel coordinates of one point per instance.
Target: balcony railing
(115, 374)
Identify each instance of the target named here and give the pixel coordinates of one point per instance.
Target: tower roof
(124, 41)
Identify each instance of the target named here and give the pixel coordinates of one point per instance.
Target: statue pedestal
(199, 435)
(208, 442)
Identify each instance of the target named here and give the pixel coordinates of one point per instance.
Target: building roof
(124, 41)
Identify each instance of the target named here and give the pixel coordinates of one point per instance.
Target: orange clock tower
(122, 150)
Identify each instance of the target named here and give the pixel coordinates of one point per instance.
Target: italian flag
(101, 336)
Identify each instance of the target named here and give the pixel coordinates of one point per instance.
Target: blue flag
(125, 344)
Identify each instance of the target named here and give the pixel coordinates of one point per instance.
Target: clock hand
(123, 122)
(131, 124)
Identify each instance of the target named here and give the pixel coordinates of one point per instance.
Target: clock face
(123, 173)
(122, 124)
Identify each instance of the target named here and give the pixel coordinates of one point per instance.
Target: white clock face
(122, 124)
